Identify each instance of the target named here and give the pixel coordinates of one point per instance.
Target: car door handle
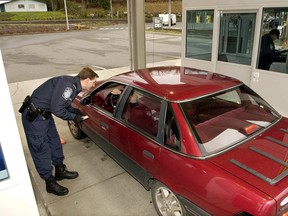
(104, 126)
(148, 154)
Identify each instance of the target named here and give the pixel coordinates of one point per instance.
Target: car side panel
(118, 136)
(210, 187)
(142, 150)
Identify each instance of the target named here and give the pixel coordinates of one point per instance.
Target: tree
(105, 4)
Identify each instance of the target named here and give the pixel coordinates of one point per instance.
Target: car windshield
(224, 119)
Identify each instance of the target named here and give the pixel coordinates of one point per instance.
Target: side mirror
(86, 100)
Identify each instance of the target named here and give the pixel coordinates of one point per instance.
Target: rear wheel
(75, 130)
(165, 201)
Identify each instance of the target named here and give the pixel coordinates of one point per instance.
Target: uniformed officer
(267, 51)
(53, 97)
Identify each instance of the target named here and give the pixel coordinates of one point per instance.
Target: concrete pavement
(103, 187)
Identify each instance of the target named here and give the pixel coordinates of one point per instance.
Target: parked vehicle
(165, 19)
(203, 143)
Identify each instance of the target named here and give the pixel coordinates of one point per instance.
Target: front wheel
(75, 130)
(165, 201)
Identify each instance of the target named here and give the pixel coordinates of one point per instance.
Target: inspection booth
(16, 192)
(225, 37)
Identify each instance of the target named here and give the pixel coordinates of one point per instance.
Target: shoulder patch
(67, 93)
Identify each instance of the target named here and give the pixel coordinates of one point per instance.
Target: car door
(140, 120)
(101, 109)
(99, 123)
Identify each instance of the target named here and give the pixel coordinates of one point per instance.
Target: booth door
(236, 39)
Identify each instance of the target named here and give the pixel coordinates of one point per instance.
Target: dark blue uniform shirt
(267, 52)
(56, 95)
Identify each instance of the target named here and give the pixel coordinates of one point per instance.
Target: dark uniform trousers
(44, 143)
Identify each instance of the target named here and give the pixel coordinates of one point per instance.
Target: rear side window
(142, 111)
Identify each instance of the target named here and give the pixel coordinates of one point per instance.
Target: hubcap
(73, 127)
(167, 202)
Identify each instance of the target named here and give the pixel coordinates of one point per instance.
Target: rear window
(224, 119)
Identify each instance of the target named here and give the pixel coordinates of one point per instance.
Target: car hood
(262, 161)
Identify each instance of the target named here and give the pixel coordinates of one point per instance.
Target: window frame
(21, 6)
(177, 146)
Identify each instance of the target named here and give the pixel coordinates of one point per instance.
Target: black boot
(53, 187)
(62, 173)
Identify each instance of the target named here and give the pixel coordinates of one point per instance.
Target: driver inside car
(112, 99)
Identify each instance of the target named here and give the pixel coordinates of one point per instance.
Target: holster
(26, 103)
(32, 112)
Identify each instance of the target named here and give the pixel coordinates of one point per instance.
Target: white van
(165, 19)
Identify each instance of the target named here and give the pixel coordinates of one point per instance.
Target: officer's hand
(78, 118)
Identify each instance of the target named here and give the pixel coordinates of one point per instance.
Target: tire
(75, 130)
(165, 201)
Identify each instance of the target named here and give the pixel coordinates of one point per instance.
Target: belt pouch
(31, 116)
(32, 112)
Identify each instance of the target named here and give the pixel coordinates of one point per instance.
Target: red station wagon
(203, 143)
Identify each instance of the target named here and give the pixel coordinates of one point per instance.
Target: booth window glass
(199, 34)
(3, 169)
(272, 53)
(236, 37)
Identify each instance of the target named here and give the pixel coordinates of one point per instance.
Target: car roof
(177, 83)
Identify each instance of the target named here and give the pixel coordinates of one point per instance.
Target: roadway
(36, 56)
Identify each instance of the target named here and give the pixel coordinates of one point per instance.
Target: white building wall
(16, 192)
(271, 85)
(25, 6)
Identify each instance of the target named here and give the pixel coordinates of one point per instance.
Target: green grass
(27, 16)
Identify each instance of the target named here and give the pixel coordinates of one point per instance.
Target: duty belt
(44, 113)
(33, 111)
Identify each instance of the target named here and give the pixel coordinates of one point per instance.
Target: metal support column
(136, 25)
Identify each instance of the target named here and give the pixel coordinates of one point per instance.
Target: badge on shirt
(67, 93)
